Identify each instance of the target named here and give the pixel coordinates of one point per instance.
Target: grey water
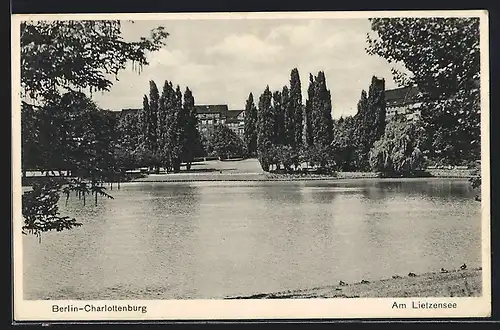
(210, 240)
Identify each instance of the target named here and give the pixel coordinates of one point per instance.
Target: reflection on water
(216, 239)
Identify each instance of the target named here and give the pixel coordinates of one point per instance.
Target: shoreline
(453, 283)
(250, 170)
(244, 177)
(235, 176)
(265, 177)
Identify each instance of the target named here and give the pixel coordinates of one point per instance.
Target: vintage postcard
(239, 166)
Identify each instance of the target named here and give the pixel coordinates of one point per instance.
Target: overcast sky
(222, 61)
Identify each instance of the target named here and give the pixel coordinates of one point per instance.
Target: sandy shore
(454, 283)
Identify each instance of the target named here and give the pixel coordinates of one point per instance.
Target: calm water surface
(217, 239)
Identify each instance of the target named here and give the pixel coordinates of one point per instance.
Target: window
(210, 121)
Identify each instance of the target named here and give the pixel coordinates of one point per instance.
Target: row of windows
(241, 116)
(210, 121)
(209, 115)
(234, 124)
(215, 121)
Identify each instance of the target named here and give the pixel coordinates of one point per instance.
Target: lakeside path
(455, 283)
(250, 170)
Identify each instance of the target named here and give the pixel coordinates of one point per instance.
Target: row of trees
(164, 133)
(281, 128)
(284, 132)
(278, 120)
(448, 132)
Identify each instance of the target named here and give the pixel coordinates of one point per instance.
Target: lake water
(218, 239)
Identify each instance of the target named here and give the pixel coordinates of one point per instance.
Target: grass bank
(250, 170)
(455, 283)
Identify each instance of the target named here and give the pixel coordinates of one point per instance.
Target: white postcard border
(27, 310)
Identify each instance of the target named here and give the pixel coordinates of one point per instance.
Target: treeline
(100, 145)
(285, 133)
(163, 133)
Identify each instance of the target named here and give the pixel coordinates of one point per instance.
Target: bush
(226, 143)
(398, 152)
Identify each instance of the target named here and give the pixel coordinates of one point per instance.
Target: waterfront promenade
(250, 170)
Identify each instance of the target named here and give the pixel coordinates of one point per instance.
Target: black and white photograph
(251, 165)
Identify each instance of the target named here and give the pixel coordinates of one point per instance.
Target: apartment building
(402, 101)
(211, 115)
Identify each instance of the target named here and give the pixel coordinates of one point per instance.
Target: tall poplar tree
(322, 112)
(145, 153)
(177, 130)
(265, 130)
(308, 117)
(250, 137)
(169, 130)
(190, 138)
(279, 119)
(162, 124)
(370, 121)
(376, 103)
(154, 103)
(288, 116)
(296, 108)
(361, 133)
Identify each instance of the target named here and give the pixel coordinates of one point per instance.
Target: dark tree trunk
(177, 166)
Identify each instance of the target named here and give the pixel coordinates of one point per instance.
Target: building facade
(402, 101)
(236, 122)
(209, 116)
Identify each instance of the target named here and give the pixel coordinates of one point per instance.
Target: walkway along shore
(222, 176)
(453, 283)
(250, 170)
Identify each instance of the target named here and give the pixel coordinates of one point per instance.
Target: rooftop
(212, 108)
(233, 113)
(402, 95)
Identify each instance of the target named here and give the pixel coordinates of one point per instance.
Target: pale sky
(222, 61)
